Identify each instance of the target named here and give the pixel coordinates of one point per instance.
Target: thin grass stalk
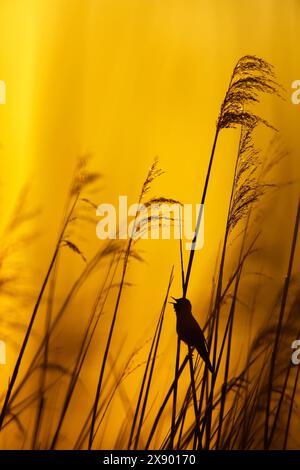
(194, 396)
(90, 267)
(281, 399)
(216, 402)
(206, 427)
(183, 418)
(287, 429)
(245, 137)
(107, 347)
(204, 387)
(232, 113)
(207, 421)
(214, 337)
(179, 419)
(143, 410)
(192, 253)
(85, 430)
(233, 304)
(33, 316)
(143, 384)
(175, 391)
(50, 308)
(203, 198)
(83, 350)
(186, 359)
(103, 408)
(153, 172)
(164, 403)
(109, 401)
(205, 384)
(198, 224)
(178, 342)
(280, 403)
(41, 404)
(215, 328)
(227, 364)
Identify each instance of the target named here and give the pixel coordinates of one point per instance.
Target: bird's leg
(191, 352)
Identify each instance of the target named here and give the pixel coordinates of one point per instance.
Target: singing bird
(189, 331)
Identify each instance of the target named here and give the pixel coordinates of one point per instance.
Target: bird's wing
(198, 340)
(190, 332)
(198, 337)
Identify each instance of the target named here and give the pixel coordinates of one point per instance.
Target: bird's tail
(206, 359)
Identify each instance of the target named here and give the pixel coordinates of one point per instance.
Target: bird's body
(189, 331)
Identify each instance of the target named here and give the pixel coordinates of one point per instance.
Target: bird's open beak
(173, 303)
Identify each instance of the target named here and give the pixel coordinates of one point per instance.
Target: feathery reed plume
(250, 76)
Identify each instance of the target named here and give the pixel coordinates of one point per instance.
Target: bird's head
(182, 305)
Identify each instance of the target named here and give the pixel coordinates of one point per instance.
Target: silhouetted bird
(189, 331)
